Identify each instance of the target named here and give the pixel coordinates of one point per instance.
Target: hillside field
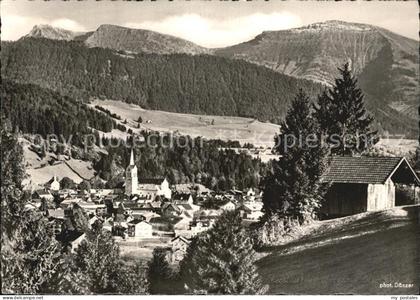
(39, 170)
(244, 130)
(350, 255)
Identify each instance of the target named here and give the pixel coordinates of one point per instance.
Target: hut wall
(381, 196)
(345, 199)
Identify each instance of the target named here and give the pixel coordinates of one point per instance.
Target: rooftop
(368, 170)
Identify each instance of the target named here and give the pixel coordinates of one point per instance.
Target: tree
(221, 260)
(343, 118)
(85, 185)
(159, 273)
(67, 183)
(12, 174)
(31, 259)
(29, 253)
(293, 188)
(131, 279)
(97, 260)
(96, 268)
(79, 219)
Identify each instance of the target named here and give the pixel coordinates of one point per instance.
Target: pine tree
(159, 273)
(343, 118)
(12, 174)
(29, 252)
(31, 259)
(293, 188)
(97, 260)
(221, 260)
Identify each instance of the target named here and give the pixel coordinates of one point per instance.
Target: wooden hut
(360, 184)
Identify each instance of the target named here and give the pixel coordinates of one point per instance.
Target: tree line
(187, 160)
(36, 110)
(200, 84)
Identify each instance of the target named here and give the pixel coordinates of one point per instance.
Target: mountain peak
(51, 32)
(140, 40)
(336, 25)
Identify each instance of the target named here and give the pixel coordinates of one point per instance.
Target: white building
(147, 188)
(131, 180)
(53, 184)
(229, 206)
(252, 210)
(140, 229)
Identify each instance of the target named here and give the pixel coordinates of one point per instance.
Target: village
(151, 213)
(146, 213)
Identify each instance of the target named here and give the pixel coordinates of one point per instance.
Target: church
(145, 188)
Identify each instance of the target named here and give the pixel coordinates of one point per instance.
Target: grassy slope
(39, 171)
(226, 128)
(351, 255)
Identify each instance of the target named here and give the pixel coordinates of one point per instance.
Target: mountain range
(385, 63)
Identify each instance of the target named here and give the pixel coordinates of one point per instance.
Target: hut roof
(367, 170)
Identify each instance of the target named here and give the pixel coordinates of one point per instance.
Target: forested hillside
(178, 83)
(41, 111)
(187, 160)
(200, 84)
(36, 110)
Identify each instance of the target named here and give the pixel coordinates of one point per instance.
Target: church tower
(131, 181)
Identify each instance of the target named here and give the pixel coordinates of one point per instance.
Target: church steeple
(131, 181)
(132, 158)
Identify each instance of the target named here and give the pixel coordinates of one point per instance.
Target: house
(69, 202)
(55, 213)
(199, 226)
(184, 222)
(56, 219)
(107, 224)
(252, 210)
(101, 210)
(93, 220)
(154, 187)
(228, 206)
(360, 184)
(250, 192)
(208, 214)
(89, 207)
(179, 246)
(182, 188)
(170, 210)
(139, 229)
(43, 194)
(182, 198)
(189, 208)
(76, 242)
(53, 184)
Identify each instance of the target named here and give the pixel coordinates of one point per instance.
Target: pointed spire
(132, 158)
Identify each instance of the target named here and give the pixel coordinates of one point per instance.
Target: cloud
(15, 26)
(218, 33)
(68, 25)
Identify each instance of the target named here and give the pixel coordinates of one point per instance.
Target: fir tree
(293, 188)
(97, 260)
(29, 252)
(12, 174)
(343, 118)
(159, 273)
(221, 260)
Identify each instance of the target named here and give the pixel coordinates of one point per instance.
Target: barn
(360, 184)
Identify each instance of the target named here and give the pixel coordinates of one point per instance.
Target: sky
(206, 23)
